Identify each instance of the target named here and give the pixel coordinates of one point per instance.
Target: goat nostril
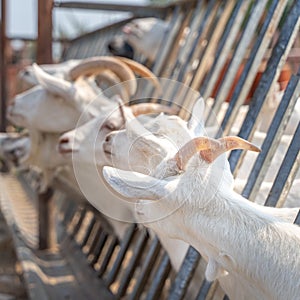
(108, 138)
(64, 140)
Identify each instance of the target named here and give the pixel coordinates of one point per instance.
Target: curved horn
(192, 147)
(108, 77)
(141, 70)
(210, 148)
(113, 81)
(152, 108)
(52, 84)
(94, 65)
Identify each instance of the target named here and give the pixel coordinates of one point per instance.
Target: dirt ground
(11, 285)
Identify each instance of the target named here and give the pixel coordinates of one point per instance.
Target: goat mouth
(63, 150)
(107, 149)
(108, 153)
(12, 116)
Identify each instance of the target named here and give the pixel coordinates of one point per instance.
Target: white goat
(190, 197)
(63, 101)
(56, 105)
(59, 100)
(83, 148)
(144, 36)
(284, 214)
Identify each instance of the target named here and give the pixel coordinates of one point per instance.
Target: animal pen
(66, 247)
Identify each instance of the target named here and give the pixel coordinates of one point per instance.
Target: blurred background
(22, 30)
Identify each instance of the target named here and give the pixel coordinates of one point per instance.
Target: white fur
(55, 105)
(203, 210)
(60, 70)
(236, 236)
(86, 143)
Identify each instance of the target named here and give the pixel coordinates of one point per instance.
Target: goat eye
(110, 126)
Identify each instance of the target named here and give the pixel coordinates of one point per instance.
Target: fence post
(44, 40)
(3, 66)
(45, 225)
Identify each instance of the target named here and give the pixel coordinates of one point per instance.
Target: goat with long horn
(251, 249)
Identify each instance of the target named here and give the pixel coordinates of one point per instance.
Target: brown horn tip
(141, 70)
(235, 142)
(226, 144)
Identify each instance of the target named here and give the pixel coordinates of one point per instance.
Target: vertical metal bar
(272, 140)
(76, 227)
(44, 214)
(88, 232)
(178, 57)
(211, 46)
(198, 57)
(297, 220)
(146, 270)
(201, 28)
(108, 255)
(204, 290)
(3, 73)
(159, 279)
(286, 173)
(137, 254)
(69, 213)
(98, 229)
(209, 12)
(185, 274)
(253, 63)
(237, 58)
(278, 58)
(123, 249)
(182, 59)
(170, 36)
(100, 242)
(44, 40)
(229, 36)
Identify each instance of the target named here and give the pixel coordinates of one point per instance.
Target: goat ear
(52, 84)
(124, 111)
(133, 185)
(196, 122)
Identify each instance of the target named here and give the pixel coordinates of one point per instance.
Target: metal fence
(225, 39)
